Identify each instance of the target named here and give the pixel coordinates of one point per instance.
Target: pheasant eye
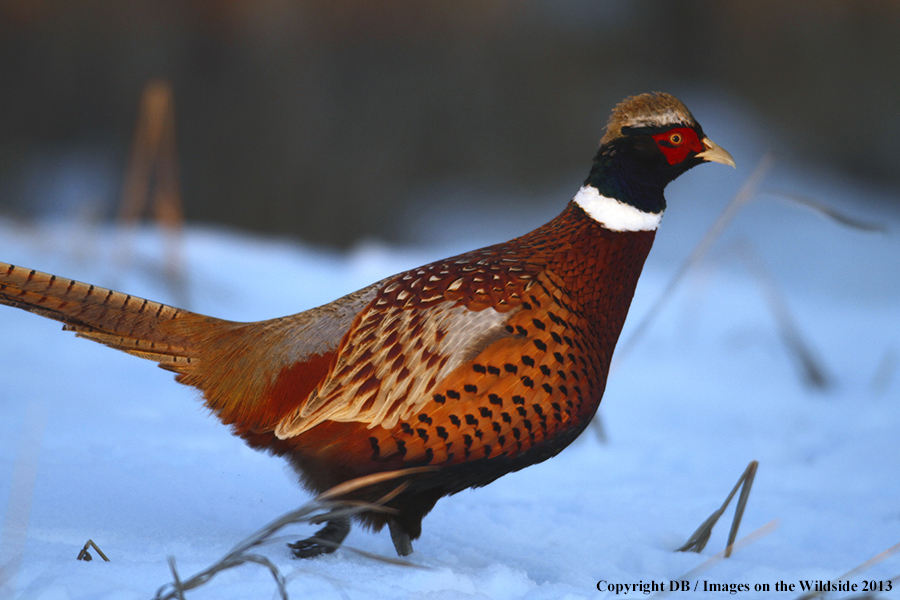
(676, 139)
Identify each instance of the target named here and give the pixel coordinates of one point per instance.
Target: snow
(96, 444)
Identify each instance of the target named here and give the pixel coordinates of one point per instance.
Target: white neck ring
(615, 214)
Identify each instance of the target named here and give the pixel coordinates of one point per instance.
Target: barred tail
(239, 367)
(147, 329)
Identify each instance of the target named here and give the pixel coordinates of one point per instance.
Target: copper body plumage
(477, 365)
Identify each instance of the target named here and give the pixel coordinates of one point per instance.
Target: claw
(327, 540)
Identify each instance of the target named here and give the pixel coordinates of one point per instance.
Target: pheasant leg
(401, 540)
(327, 540)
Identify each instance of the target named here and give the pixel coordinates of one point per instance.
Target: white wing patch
(615, 214)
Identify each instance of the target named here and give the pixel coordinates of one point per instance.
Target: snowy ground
(94, 444)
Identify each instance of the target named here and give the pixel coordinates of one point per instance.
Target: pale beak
(714, 153)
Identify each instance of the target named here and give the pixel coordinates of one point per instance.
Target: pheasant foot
(327, 540)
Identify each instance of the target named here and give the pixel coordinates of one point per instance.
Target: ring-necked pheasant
(477, 365)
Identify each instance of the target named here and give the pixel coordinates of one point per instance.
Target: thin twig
(864, 566)
(737, 546)
(743, 196)
(885, 372)
(827, 211)
(812, 369)
(697, 541)
(86, 556)
(276, 574)
(367, 480)
(178, 588)
(749, 476)
(327, 506)
(748, 192)
(154, 160)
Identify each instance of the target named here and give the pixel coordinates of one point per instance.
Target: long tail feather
(141, 327)
(251, 375)
(235, 365)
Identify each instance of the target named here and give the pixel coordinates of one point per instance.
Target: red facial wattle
(678, 143)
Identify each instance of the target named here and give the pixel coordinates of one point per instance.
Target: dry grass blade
(153, 153)
(367, 480)
(86, 556)
(327, 506)
(276, 574)
(748, 477)
(862, 567)
(885, 372)
(828, 212)
(738, 545)
(391, 560)
(176, 580)
(154, 160)
(812, 370)
(697, 541)
(599, 429)
(239, 554)
(743, 196)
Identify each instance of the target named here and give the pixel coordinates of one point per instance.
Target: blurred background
(333, 120)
